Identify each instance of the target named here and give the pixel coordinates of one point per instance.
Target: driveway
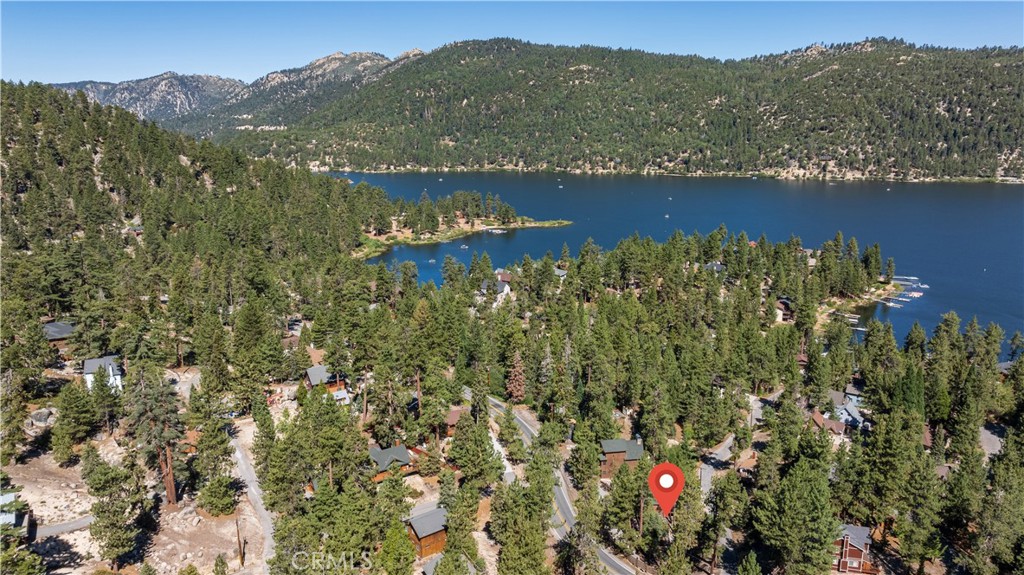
(252, 488)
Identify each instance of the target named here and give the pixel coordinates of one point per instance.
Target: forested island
(364, 397)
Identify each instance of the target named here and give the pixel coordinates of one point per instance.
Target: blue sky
(62, 42)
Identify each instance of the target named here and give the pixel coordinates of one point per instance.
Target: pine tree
(430, 463)
(621, 510)
(964, 491)
(397, 553)
(749, 565)
(76, 411)
(799, 524)
(213, 450)
(522, 552)
(686, 520)
(449, 489)
(12, 416)
(997, 542)
(105, 400)
(473, 452)
(62, 444)
(578, 554)
(152, 421)
(218, 495)
(510, 437)
(584, 462)
(515, 385)
(121, 501)
(263, 439)
(918, 525)
(220, 565)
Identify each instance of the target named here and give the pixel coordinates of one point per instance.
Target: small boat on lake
(431, 261)
(498, 231)
(666, 216)
(463, 247)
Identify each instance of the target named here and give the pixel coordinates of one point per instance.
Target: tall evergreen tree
(153, 422)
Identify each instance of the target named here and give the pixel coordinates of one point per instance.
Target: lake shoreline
(658, 173)
(374, 247)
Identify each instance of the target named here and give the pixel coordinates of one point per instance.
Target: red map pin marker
(666, 482)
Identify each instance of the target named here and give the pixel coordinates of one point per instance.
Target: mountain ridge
(878, 108)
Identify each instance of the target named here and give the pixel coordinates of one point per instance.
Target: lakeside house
(110, 363)
(716, 267)
(852, 551)
(618, 452)
(429, 531)
(560, 274)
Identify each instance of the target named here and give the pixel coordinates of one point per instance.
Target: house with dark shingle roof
(385, 458)
(57, 334)
(318, 374)
(429, 531)
(58, 331)
(110, 363)
(618, 452)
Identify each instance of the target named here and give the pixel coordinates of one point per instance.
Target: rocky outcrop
(168, 95)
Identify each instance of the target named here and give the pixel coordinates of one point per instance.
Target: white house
(110, 363)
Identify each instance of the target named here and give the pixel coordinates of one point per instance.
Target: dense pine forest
(167, 251)
(877, 109)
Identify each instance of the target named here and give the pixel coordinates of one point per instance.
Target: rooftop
(859, 536)
(58, 330)
(318, 374)
(455, 413)
(384, 458)
(632, 449)
(429, 522)
(111, 361)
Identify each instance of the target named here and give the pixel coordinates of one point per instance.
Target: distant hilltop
(879, 108)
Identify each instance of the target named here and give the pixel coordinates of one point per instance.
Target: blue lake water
(966, 241)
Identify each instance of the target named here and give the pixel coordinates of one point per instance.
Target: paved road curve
(564, 516)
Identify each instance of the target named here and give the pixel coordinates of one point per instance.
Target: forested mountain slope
(212, 106)
(285, 97)
(878, 108)
(77, 175)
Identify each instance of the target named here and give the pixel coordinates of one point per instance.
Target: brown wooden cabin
(429, 532)
(618, 452)
(453, 418)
